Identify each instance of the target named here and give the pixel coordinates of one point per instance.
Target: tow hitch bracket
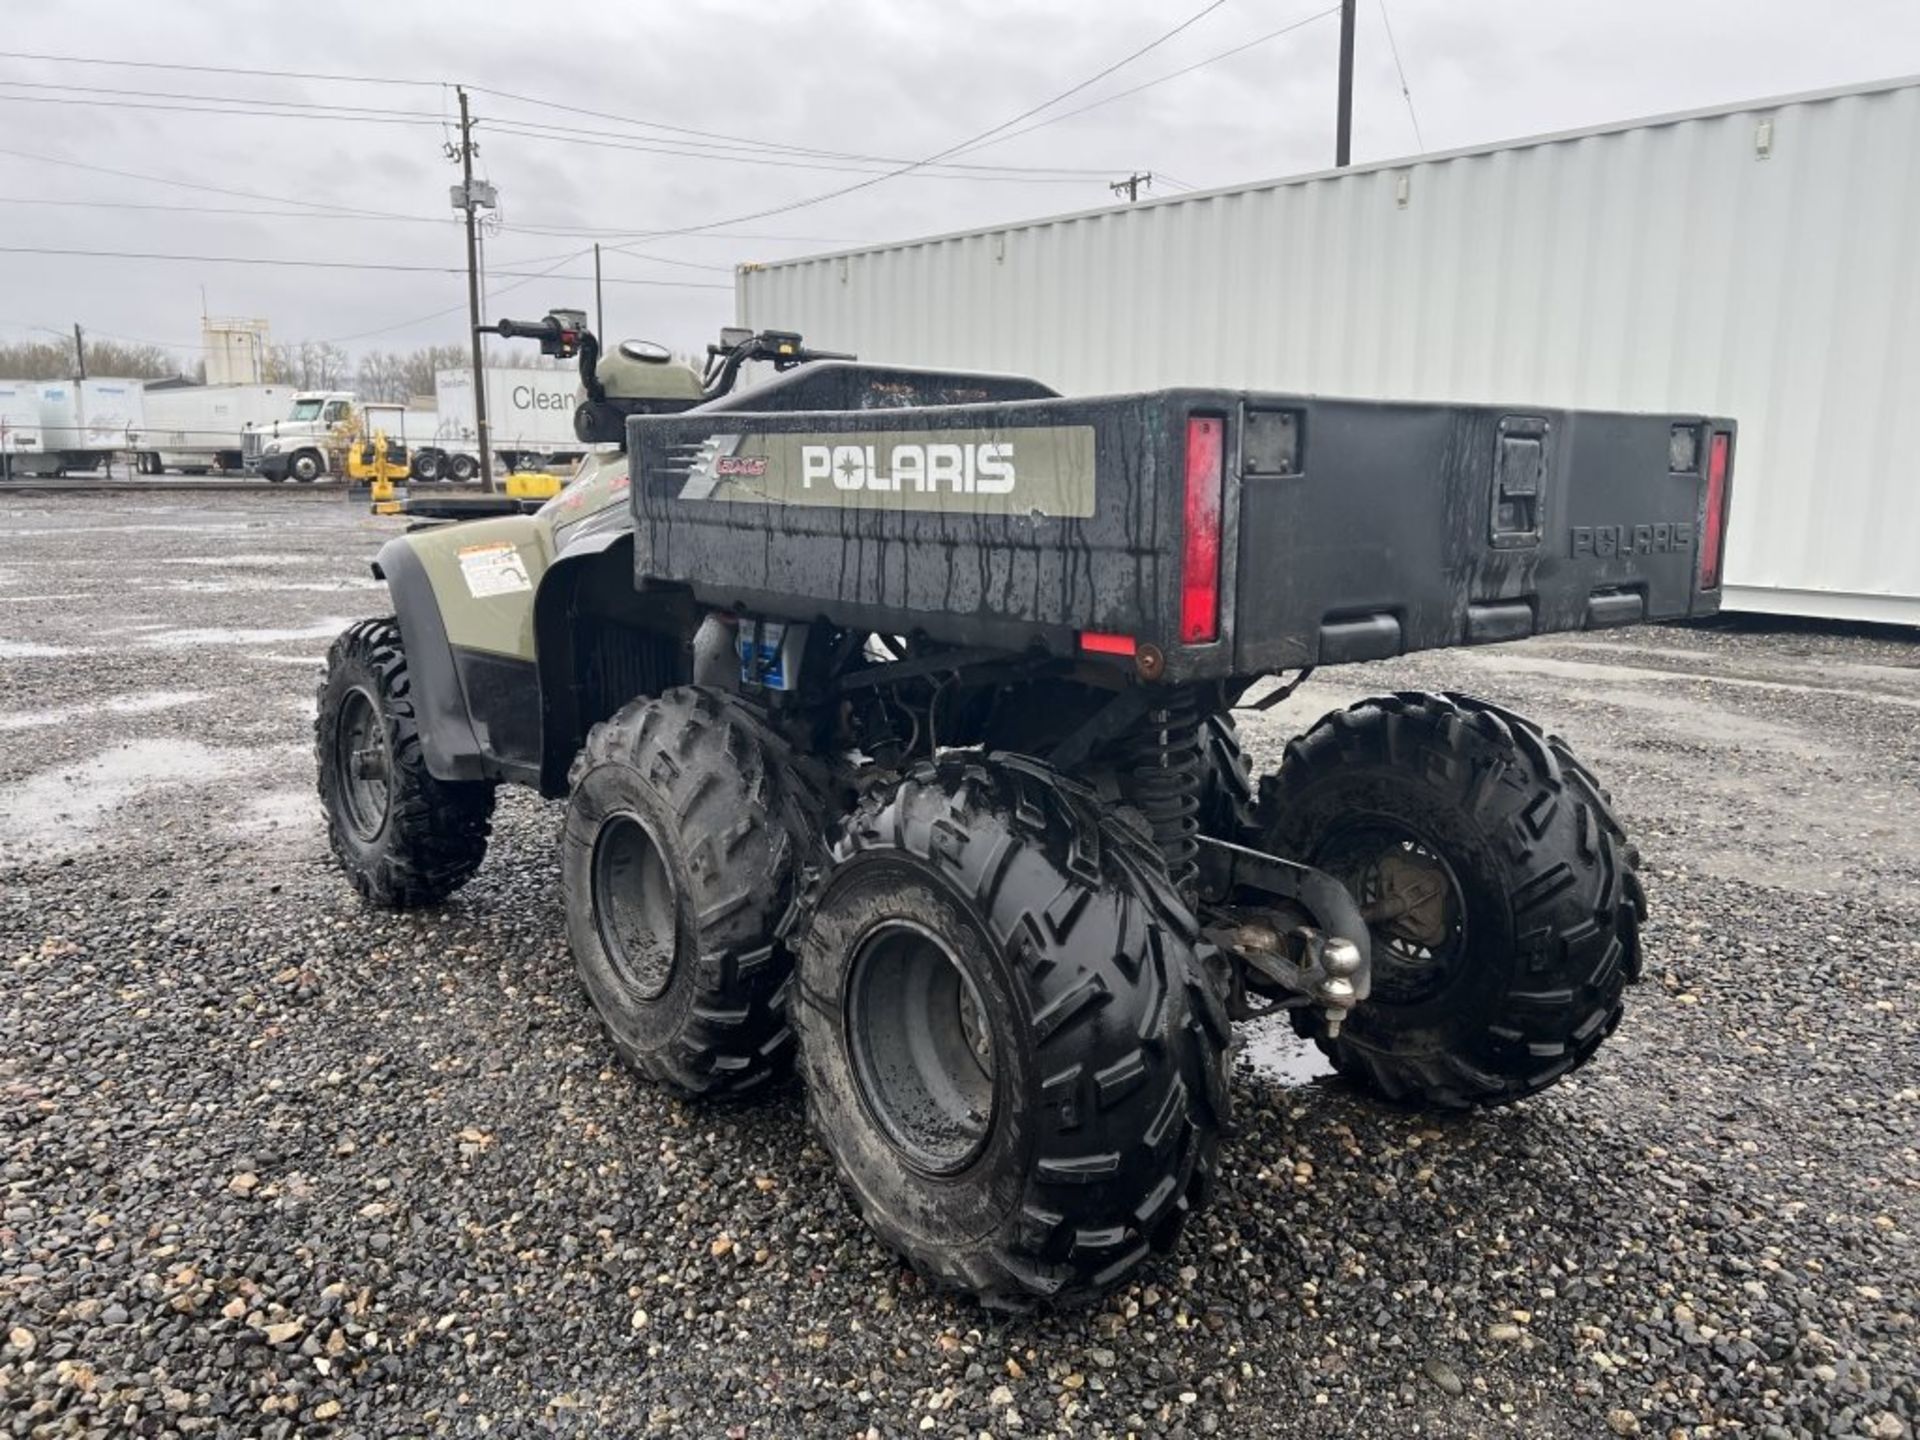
(1325, 961)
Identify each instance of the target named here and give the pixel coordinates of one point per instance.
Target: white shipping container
(1758, 260)
(528, 411)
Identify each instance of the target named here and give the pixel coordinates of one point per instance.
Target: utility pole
(1132, 185)
(473, 295)
(1343, 121)
(599, 304)
(79, 353)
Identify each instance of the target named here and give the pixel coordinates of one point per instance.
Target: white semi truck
(310, 440)
(197, 428)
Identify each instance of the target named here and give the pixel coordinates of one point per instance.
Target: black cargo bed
(1349, 530)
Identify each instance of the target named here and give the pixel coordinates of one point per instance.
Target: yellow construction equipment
(380, 464)
(533, 485)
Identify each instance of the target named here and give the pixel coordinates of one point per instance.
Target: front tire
(1500, 892)
(306, 467)
(682, 846)
(1010, 1047)
(404, 838)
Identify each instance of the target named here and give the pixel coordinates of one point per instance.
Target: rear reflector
(1713, 534)
(1200, 556)
(1099, 642)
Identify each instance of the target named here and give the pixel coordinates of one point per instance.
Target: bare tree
(54, 360)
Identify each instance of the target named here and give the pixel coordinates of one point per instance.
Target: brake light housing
(1200, 547)
(1713, 526)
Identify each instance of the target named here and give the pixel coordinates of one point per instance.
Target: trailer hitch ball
(1339, 962)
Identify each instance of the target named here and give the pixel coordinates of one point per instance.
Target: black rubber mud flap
(1082, 983)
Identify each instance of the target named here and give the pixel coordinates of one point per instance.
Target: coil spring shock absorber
(1161, 777)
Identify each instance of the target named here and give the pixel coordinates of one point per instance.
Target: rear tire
(404, 838)
(461, 468)
(1500, 891)
(1010, 1046)
(426, 466)
(682, 846)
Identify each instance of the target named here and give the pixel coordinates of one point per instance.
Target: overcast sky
(869, 78)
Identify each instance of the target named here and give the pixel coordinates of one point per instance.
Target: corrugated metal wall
(1762, 262)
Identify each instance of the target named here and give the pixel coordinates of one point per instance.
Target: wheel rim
(363, 763)
(922, 1047)
(1415, 910)
(636, 906)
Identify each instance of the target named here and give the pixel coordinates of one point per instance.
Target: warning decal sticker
(495, 569)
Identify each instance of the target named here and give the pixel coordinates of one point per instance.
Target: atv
(893, 710)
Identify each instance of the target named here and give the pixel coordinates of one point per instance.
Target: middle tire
(1010, 1045)
(682, 843)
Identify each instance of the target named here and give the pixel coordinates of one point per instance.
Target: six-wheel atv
(893, 710)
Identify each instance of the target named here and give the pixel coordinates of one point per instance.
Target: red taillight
(1200, 555)
(1713, 533)
(1104, 642)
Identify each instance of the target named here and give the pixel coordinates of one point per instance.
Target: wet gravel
(277, 1165)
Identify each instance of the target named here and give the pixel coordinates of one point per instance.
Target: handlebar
(564, 333)
(781, 347)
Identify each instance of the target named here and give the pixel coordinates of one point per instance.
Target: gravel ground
(277, 1165)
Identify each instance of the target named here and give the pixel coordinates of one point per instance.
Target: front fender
(463, 595)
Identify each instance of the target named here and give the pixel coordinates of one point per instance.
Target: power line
(714, 140)
(1241, 48)
(509, 128)
(364, 217)
(218, 69)
(955, 149)
(117, 91)
(288, 263)
(197, 103)
(249, 106)
(1400, 70)
(307, 215)
(189, 184)
(151, 106)
(285, 110)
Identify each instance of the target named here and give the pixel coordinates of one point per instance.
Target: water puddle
(240, 562)
(58, 812)
(295, 810)
(149, 702)
(31, 650)
(267, 586)
(1276, 1053)
(228, 635)
(32, 532)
